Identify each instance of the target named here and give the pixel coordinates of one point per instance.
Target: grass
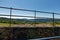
(39, 24)
(4, 24)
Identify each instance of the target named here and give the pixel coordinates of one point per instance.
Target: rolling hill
(29, 20)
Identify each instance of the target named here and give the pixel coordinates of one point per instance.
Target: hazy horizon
(26, 17)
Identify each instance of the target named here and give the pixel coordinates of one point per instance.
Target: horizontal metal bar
(26, 16)
(30, 10)
(46, 38)
(5, 7)
(16, 16)
(23, 16)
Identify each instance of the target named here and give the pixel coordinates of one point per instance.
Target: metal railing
(35, 12)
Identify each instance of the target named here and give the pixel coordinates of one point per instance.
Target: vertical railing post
(10, 15)
(10, 22)
(53, 20)
(53, 25)
(35, 19)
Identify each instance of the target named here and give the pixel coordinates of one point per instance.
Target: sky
(41, 5)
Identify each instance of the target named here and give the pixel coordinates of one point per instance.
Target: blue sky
(42, 5)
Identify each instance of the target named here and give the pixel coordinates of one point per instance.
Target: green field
(5, 22)
(26, 24)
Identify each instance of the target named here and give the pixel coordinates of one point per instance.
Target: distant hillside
(7, 20)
